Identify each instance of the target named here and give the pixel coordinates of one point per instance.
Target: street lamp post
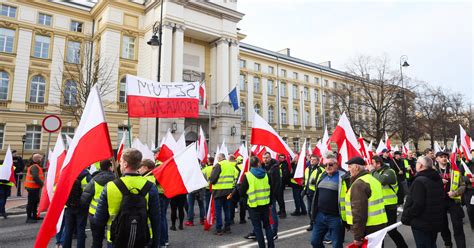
(23, 141)
(403, 63)
(157, 41)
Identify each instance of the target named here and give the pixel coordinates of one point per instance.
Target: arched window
(283, 116)
(271, 114)
(122, 92)
(295, 117)
(37, 89)
(70, 93)
(257, 108)
(4, 82)
(244, 112)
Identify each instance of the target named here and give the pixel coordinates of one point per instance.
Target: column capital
(169, 25)
(234, 42)
(180, 27)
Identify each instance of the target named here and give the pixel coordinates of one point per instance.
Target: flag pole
(129, 133)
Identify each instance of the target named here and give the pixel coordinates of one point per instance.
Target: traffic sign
(51, 123)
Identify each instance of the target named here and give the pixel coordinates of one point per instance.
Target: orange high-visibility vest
(29, 182)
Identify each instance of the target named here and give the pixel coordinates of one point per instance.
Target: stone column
(264, 107)
(166, 52)
(222, 69)
(313, 108)
(178, 46)
(233, 64)
(213, 82)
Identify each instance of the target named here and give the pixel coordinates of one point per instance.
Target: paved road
(15, 233)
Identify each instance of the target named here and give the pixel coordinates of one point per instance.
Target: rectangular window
(128, 47)
(33, 137)
(283, 72)
(6, 40)
(2, 134)
(306, 78)
(256, 67)
(295, 92)
(316, 80)
(306, 94)
(283, 89)
(256, 85)
(73, 52)
(242, 82)
(316, 95)
(326, 83)
(123, 130)
(295, 75)
(67, 131)
(270, 70)
(334, 85)
(41, 47)
(243, 63)
(76, 26)
(296, 144)
(270, 88)
(8, 11)
(44, 19)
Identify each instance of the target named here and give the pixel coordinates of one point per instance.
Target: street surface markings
(282, 234)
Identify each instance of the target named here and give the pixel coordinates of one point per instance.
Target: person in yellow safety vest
(388, 178)
(297, 189)
(256, 188)
(5, 192)
(242, 201)
(111, 201)
(311, 173)
(365, 209)
(410, 165)
(164, 203)
(90, 197)
(146, 168)
(206, 171)
(33, 182)
(223, 178)
(454, 187)
(328, 205)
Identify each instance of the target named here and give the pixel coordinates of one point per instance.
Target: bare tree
(82, 71)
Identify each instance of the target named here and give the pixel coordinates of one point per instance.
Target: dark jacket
(258, 173)
(424, 208)
(102, 213)
(19, 164)
(285, 173)
(360, 194)
(343, 176)
(397, 165)
(216, 172)
(273, 171)
(102, 178)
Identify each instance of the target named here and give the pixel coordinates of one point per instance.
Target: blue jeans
(5, 192)
(261, 215)
(221, 203)
(275, 218)
(324, 223)
(191, 198)
(424, 239)
(299, 203)
(207, 197)
(59, 235)
(75, 219)
(309, 201)
(164, 203)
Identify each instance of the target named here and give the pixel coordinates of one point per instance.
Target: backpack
(130, 226)
(74, 199)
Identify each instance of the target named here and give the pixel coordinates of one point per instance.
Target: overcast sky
(437, 37)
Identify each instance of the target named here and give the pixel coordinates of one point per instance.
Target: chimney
(285, 51)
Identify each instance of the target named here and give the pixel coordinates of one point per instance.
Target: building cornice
(58, 7)
(213, 9)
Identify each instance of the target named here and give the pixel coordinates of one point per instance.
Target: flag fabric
(181, 174)
(56, 158)
(344, 132)
(363, 149)
(380, 147)
(144, 149)
(234, 99)
(325, 142)
(203, 152)
(224, 150)
(245, 162)
(68, 141)
(343, 156)
(91, 143)
(370, 153)
(453, 156)
(375, 240)
(437, 147)
(121, 146)
(465, 143)
(147, 98)
(215, 157)
(264, 134)
(272, 153)
(168, 147)
(261, 153)
(467, 171)
(202, 94)
(210, 216)
(396, 148)
(405, 149)
(180, 143)
(300, 167)
(387, 142)
(6, 169)
(316, 151)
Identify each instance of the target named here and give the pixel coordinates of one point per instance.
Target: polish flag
(180, 144)
(467, 171)
(343, 156)
(272, 153)
(168, 147)
(245, 162)
(405, 149)
(363, 149)
(224, 150)
(202, 94)
(217, 153)
(261, 153)
(325, 142)
(453, 156)
(210, 216)
(6, 169)
(91, 143)
(300, 167)
(55, 163)
(255, 149)
(380, 148)
(144, 149)
(465, 144)
(121, 146)
(316, 150)
(264, 134)
(387, 142)
(344, 132)
(181, 174)
(203, 152)
(376, 239)
(370, 153)
(68, 141)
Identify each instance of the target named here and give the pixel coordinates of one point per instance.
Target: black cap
(441, 153)
(385, 150)
(356, 160)
(397, 153)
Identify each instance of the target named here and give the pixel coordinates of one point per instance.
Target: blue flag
(234, 99)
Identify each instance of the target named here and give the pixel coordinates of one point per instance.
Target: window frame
(8, 40)
(45, 20)
(69, 99)
(126, 52)
(284, 117)
(76, 27)
(2, 135)
(271, 114)
(37, 95)
(122, 82)
(66, 131)
(242, 83)
(76, 59)
(257, 67)
(42, 47)
(8, 10)
(37, 130)
(256, 86)
(8, 78)
(270, 87)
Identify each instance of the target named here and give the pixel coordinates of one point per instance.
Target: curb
(18, 210)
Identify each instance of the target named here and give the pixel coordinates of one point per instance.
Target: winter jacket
(285, 173)
(273, 171)
(216, 172)
(258, 173)
(102, 178)
(424, 207)
(343, 176)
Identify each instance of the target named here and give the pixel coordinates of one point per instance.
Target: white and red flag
(264, 134)
(301, 166)
(215, 157)
(363, 149)
(6, 169)
(181, 174)
(245, 162)
(437, 147)
(316, 151)
(467, 171)
(344, 132)
(148, 98)
(91, 143)
(180, 144)
(210, 215)
(121, 146)
(453, 158)
(168, 147)
(465, 144)
(388, 142)
(56, 158)
(405, 149)
(202, 94)
(144, 149)
(343, 156)
(224, 150)
(203, 152)
(380, 147)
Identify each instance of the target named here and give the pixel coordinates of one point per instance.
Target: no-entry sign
(51, 123)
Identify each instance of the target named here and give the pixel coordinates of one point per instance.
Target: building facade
(41, 41)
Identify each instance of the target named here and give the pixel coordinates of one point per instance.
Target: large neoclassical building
(41, 41)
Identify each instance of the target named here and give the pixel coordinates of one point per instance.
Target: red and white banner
(7, 170)
(465, 143)
(148, 98)
(121, 146)
(264, 134)
(203, 151)
(245, 162)
(344, 132)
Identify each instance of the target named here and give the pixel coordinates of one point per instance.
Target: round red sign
(51, 123)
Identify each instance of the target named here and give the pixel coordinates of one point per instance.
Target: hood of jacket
(429, 173)
(104, 177)
(258, 172)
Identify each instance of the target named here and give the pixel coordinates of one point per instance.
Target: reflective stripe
(381, 211)
(258, 198)
(258, 191)
(227, 176)
(378, 201)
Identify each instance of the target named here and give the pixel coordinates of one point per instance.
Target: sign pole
(47, 151)
(51, 123)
